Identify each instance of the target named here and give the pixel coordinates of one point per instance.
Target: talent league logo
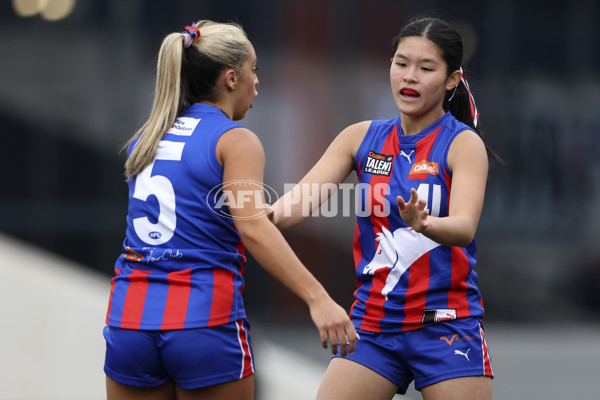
(378, 164)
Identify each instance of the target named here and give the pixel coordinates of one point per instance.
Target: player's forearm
(292, 209)
(268, 246)
(456, 230)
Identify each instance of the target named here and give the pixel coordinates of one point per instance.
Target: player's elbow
(464, 240)
(247, 231)
(466, 235)
(463, 232)
(253, 231)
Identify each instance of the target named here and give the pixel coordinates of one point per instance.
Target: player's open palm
(414, 211)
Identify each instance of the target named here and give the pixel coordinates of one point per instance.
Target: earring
(453, 93)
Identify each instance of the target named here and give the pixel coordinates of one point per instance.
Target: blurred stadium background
(77, 79)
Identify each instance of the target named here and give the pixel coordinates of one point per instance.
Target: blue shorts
(193, 358)
(435, 353)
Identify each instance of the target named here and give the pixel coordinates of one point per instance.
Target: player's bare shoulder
(354, 134)
(239, 141)
(467, 148)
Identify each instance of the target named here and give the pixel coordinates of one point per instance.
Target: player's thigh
(466, 388)
(119, 391)
(348, 380)
(241, 389)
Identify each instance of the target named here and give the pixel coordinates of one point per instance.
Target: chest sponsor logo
(422, 168)
(378, 164)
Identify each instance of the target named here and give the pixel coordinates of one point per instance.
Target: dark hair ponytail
(449, 42)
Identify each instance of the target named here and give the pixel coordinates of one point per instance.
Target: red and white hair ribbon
(474, 112)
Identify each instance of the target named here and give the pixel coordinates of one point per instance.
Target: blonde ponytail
(164, 109)
(225, 45)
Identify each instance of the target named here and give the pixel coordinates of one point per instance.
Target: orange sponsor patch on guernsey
(132, 255)
(424, 167)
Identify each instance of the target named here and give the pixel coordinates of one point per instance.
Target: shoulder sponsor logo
(423, 168)
(378, 164)
(184, 126)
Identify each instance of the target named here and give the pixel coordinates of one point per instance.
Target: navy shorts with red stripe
(193, 358)
(437, 352)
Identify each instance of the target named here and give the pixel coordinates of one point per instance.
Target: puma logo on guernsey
(378, 164)
(402, 153)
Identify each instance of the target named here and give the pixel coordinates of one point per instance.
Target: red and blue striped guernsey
(182, 260)
(405, 280)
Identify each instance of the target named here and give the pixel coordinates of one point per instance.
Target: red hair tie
(190, 34)
(193, 31)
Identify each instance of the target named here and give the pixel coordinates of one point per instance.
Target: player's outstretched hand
(334, 326)
(414, 212)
